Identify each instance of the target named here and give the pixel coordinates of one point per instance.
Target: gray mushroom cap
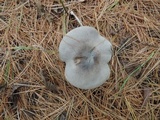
(86, 54)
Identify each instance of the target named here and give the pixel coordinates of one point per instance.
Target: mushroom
(86, 54)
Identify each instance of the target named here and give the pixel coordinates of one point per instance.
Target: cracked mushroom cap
(86, 54)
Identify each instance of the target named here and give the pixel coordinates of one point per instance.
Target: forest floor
(32, 81)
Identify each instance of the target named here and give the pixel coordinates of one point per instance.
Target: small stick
(72, 13)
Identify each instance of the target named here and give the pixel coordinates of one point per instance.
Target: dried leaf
(2, 85)
(146, 94)
(40, 10)
(63, 116)
(49, 85)
(13, 99)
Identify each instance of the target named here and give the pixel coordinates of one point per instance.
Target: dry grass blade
(147, 93)
(126, 80)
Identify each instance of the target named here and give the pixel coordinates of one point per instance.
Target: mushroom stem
(78, 20)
